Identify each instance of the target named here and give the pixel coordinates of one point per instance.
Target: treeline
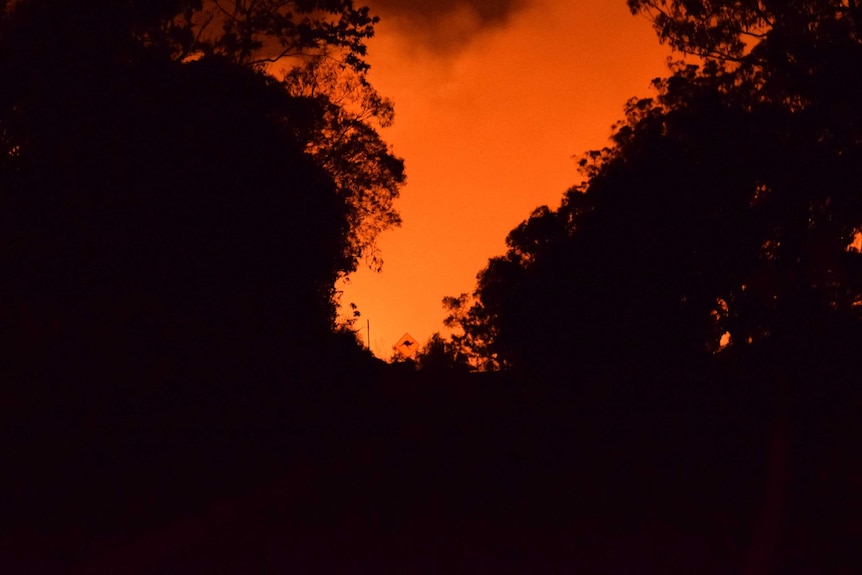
(172, 203)
(182, 183)
(722, 221)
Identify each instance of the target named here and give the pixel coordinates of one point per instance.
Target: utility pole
(368, 331)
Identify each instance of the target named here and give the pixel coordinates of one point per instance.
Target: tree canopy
(721, 214)
(169, 203)
(343, 139)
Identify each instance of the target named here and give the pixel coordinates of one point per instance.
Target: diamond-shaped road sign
(407, 346)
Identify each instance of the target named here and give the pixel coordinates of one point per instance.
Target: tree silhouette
(721, 213)
(797, 64)
(170, 238)
(343, 139)
(439, 355)
(163, 216)
(255, 33)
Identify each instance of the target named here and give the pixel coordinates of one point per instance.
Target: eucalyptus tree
(165, 192)
(721, 213)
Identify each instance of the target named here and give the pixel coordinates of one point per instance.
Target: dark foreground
(398, 472)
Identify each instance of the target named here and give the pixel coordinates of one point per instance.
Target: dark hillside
(458, 474)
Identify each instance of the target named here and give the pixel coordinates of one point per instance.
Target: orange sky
(488, 116)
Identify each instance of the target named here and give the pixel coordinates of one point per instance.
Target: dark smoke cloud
(489, 11)
(446, 25)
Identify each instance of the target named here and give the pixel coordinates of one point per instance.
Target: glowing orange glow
(488, 125)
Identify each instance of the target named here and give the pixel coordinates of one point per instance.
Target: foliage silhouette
(258, 33)
(439, 355)
(702, 273)
(150, 164)
(721, 213)
(170, 248)
(343, 140)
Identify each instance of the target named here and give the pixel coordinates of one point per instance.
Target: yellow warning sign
(407, 346)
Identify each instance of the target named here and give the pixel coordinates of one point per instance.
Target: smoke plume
(445, 25)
